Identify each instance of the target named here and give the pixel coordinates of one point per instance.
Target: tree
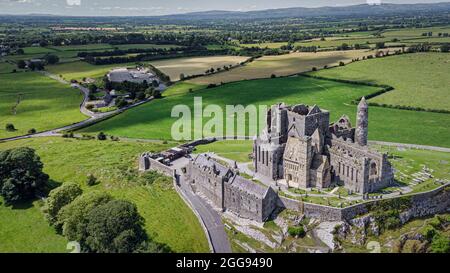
(32, 131)
(156, 94)
(20, 51)
(380, 45)
(91, 180)
(21, 64)
(440, 244)
(51, 59)
(21, 175)
(101, 136)
(445, 48)
(120, 103)
(140, 96)
(92, 88)
(115, 227)
(296, 231)
(73, 218)
(58, 198)
(10, 127)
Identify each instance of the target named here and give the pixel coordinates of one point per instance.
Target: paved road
(209, 216)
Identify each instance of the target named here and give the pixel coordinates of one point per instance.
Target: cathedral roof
(206, 161)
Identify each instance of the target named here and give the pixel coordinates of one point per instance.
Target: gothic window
(373, 169)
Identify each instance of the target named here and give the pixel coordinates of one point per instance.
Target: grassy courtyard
(154, 121)
(167, 218)
(31, 100)
(237, 150)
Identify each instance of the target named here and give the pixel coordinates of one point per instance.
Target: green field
(26, 230)
(237, 150)
(44, 103)
(153, 120)
(79, 70)
(283, 65)
(167, 218)
(172, 67)
(420, 80)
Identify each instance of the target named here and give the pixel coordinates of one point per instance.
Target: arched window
(373, 169)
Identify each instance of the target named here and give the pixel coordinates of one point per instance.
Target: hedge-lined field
(44, 103)
(153, 120)
(167, 218)
(420, 79)
(283, 65)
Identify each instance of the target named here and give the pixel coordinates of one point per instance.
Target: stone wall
(422, 204)
(323, 213)
(159, 167)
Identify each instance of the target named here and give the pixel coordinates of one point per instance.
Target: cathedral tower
(362, 123)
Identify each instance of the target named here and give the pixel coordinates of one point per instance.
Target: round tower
(362, 123)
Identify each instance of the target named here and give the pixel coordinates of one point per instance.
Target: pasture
(79, 70)
(153, 120)
(172, 67)
(282, 65)
(167, 218)
(31, 100)
(420, 80)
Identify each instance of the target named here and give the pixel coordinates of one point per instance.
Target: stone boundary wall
(161, 168)
(422, 204)
(324, 213)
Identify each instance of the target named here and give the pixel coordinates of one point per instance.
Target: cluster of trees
(137, 91)
(445, 48)
(425, 47)
(150, 56)
(121, 52)
(97, 221)
(21, 175)
(40, 65)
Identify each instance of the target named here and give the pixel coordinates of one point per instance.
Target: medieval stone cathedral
(299, 147)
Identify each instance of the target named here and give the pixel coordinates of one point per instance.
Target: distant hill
(363, 10)
(344, 11)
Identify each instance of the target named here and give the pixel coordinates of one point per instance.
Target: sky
(163, 7)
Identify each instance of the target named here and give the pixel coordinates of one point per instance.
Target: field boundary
(385, 89)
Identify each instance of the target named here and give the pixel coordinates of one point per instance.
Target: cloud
(73, 2)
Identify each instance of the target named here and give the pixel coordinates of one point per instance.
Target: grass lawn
(420, 80)
(410, 162)
(26, 230)
(167, 218)
(283, 65)
(7, 67)
(44, 104)
(237, 150)
(79, 70)
(153, 120)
